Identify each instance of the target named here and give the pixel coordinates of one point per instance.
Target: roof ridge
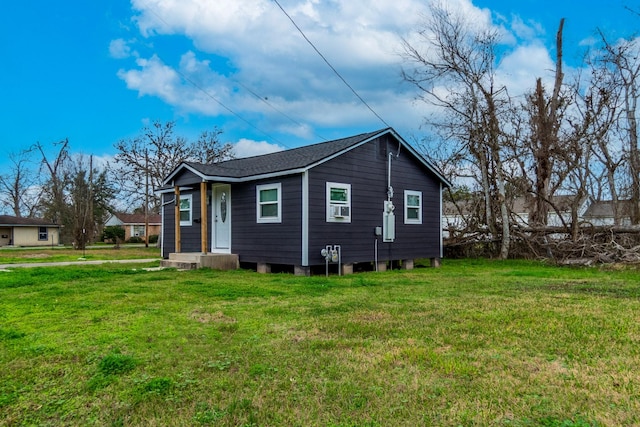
(294, 149)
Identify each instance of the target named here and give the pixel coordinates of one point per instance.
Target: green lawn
(59, 254)
(471, 343)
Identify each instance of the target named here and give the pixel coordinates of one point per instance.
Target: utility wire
(203, 90)
(329, 64)
(217, 101)
(273, 107)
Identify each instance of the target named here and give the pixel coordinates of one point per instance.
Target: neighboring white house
(459, 216)
(601, 213)
(523, 206)
(17, 231)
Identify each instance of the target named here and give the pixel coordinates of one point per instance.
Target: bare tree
(57, 177)
(89, 195)
(18, 185)
(454, 69)
(624, 59)
(154, 154)
(75, 194)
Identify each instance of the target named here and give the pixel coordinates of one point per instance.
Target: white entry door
(222, 218)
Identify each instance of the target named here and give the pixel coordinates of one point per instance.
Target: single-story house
(564, 203)
(601, 213)
(369, 199)
(134, 224)
(459, 216)
(18, 231)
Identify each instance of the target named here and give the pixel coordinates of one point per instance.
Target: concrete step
(194, 260)
(179, 265)
(185, 257)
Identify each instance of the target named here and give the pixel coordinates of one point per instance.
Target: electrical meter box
(388, 222)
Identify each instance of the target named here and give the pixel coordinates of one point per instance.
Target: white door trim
(215, 210)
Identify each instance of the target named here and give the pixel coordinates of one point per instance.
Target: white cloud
(528, 30)
(249, 58)
(191, 87)
(119, 49)
(520, 69)
(247, 148)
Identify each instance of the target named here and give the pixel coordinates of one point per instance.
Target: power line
(266, 101)
(220, 103)
(329, 64)
(203, 90)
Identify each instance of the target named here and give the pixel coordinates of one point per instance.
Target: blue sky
(97, 72)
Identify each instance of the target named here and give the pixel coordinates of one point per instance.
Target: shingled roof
(286, 160)
(282, 162)
(15, 221)
(127, 218)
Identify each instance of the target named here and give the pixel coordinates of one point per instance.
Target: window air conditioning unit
(339, 211)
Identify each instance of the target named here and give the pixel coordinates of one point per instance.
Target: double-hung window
(138, 230)
(43, 233)
(269, 203)
(338, 202)
(185, 210)
(412, 207)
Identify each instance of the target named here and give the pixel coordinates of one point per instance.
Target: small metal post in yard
(84, 241)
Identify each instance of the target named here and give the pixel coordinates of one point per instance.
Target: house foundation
(300, 270)
(192, 261)
(347, 269)
(263, 268)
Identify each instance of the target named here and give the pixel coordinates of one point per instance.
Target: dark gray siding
(365, 168)
(189, 235)
(187, 178)
(168, 220)
(278, 243)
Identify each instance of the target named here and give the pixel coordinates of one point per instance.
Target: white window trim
(408, 220)
(44, 234)
(329, 215)
(190, 221)
(268, 220)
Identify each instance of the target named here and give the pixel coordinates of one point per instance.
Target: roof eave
(234, 179)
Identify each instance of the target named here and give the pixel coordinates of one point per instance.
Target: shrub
(113, 233)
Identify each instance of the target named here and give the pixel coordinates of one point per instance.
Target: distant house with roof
(603, 213)
(460, 216)
(558, 215)
(134, 224)
(18, 231)
(365, 200)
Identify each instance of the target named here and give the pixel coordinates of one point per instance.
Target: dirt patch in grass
(36, 256)
(217, 317)
(613, 289)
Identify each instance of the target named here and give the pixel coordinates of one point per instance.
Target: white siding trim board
(305, 219)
